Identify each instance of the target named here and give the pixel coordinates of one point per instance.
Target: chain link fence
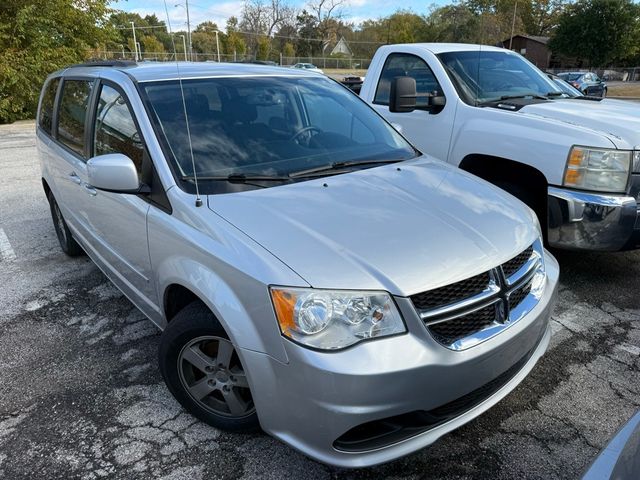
(610, 74)
(321, 62)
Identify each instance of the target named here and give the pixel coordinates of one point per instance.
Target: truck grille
(470, 311)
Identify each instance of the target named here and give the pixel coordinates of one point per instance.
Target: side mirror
(113, 172)
(402, 95)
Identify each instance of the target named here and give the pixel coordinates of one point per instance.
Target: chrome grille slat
(468, 312)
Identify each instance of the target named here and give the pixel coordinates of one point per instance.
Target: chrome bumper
(591, 221)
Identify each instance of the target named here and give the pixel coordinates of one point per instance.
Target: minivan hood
(619, 121)
(404, 228)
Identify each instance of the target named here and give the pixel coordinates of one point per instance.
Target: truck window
(73, 110)
(45, 120)
(402, 65)
(115, 129)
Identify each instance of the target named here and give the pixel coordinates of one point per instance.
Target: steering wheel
(304, 130)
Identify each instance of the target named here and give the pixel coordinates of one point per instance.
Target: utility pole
(122, 47)
(135, 44)
(186, 7)
(513, 23)
(217, 45)
(184, 45)
(139, 50)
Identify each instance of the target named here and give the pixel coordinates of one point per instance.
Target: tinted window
(73, 110)
(402, 65)
(267, 126)
(46, 109)
(116, 130)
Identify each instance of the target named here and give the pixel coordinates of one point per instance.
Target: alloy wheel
(210, 371)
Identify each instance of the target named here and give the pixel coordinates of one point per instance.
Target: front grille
(512, 266)
(518, 295)
(452, 330)
(461, 310)
(387, 431)
(451, 293)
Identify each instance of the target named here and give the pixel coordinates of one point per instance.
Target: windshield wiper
(317, 171)
(238, 178)
(514, 97)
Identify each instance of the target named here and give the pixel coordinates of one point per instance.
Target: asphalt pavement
(81, 395)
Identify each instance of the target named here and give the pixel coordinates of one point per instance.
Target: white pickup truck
(574, 160)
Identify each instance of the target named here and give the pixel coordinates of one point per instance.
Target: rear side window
(116, 131)
(402, 65)
(72, 113)
(45, 120)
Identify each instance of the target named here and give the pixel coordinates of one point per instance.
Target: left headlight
(334, 319)
(598, 169)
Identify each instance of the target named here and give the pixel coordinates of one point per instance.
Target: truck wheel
(202, 369)
(66, 240)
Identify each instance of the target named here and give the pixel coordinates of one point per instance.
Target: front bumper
(316, 398)
(591, 221)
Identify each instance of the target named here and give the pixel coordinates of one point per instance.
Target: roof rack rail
(106, 63)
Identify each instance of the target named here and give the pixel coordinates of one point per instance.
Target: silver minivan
(314, 274)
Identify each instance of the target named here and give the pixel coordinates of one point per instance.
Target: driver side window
(402, 65)
(115, 129)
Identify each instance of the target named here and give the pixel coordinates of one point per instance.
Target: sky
(218, 11)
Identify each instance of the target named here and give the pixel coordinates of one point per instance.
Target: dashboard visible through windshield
(266, 129)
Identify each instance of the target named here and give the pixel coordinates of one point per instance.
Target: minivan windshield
(268, 128)
(488, 76)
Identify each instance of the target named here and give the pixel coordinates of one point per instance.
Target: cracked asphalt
(81, 395)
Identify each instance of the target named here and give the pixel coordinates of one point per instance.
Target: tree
(151, 45)
(599, 31)
(235, 44)
(37, 38)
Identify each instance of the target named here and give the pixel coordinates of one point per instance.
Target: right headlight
(598, 169)
(334, 319)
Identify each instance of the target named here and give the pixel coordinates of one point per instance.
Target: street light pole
(184, 45)
(135, 44)
(217, 45)
(122, 47)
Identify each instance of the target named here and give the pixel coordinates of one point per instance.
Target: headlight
(636, 161)
(600, 169)
(333, 319)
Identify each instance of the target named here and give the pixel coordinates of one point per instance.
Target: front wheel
(67, 243)
(202, 369)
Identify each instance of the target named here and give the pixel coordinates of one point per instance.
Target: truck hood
(403, 228)
(619, 121)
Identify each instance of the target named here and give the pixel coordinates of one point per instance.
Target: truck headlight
(334, 319)
(599, 169)
(636, 161)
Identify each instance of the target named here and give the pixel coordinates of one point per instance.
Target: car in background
(587, 82)
(307, 66)
(565, 86)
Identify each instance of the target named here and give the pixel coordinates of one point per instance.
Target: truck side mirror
(402, 95)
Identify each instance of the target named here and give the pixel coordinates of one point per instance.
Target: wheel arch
(182, 281)
(531, 184)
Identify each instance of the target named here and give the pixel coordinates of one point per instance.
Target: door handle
(90, 190)
(73, 176)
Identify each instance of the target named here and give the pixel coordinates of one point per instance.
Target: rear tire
(202, 370)
(66, 240)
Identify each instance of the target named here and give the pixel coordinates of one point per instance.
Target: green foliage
(263, 48)
(37, 38)
(288, 50)
(599, 31)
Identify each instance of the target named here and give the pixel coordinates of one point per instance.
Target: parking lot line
(6, 251)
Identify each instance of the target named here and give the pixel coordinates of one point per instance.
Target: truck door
(430, 132)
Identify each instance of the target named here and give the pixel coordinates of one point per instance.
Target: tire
(66, 240)
(604, 93)
(216, 391)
